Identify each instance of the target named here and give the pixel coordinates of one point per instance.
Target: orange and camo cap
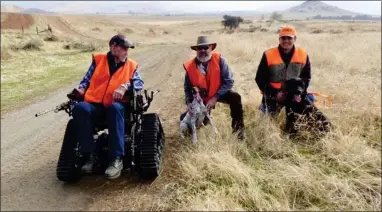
(287, 31)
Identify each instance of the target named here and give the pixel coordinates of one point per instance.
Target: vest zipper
(106, 88)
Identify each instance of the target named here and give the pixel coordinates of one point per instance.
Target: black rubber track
(68, 167)
(151, 146)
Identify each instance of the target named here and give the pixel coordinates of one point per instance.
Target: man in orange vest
(279, 64)
(209, 71)
(103, 87)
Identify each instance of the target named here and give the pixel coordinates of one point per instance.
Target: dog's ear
(284, 86)
(195, 90)
(203, 92)
(303, 83)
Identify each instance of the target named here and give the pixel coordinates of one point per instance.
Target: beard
(120, 57)
(203, 57)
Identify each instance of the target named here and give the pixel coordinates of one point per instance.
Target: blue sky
(368, 7)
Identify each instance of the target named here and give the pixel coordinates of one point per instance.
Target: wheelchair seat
(103, 125)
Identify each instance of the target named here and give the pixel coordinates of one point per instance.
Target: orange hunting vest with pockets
(102, 86)
(277, 68)
(211, 82)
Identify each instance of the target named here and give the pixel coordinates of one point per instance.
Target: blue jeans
(86, 116)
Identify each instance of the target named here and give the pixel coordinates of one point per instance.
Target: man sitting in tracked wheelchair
(103, 88)
(110, 130)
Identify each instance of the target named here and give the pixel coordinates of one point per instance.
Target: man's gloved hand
(81, 91)
(119, 93)
(280, 96)
(76, 94)
(211, 103)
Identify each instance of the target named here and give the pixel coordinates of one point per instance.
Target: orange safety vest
(277, 68)
(211, 82)
(102, 86)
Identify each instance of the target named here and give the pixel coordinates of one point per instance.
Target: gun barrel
(44, 112)
(157, 91)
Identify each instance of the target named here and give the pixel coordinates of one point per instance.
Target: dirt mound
(16, 21)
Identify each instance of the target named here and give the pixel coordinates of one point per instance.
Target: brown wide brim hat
(203, 41)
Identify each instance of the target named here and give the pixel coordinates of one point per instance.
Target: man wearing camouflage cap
(103, 88)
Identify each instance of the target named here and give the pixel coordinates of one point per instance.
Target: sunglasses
(203, 47)
(286, 38)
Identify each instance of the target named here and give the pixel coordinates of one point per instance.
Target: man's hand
(81, 91)
(280, 97)
(211, 103)
(118, 93)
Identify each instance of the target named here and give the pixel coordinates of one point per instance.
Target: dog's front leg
(193, 128)
(183, 129)
(184, 126)
(212, 124)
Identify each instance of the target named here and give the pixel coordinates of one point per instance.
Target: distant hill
(10, 9)
(35, 11)
(74, 7)
(320, 8)
(311, 8)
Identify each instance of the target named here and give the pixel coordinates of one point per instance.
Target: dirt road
(30, 146)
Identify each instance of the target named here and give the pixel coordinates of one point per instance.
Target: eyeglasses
(203, 47)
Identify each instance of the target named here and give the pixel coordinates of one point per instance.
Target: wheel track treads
(68, 167)
(151, 144)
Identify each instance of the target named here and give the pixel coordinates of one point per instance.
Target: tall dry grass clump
(270, 172)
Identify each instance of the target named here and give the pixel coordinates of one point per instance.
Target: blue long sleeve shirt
(137, 79)
(226, 78)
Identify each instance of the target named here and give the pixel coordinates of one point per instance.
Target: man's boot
(114, 169)
(238, 128)
(88, 166)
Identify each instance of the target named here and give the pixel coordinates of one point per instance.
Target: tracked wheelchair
(144, 140)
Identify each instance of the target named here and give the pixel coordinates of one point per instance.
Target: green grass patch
(16, 92)
(28, 75)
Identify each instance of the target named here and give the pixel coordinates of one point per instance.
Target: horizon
(366, 7)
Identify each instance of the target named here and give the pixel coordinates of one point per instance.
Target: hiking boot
(238, 128)
(88, 166)
(241, 135)
(114, 169)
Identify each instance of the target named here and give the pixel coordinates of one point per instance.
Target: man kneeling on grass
(210, 72)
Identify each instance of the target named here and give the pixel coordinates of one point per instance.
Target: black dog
(300, 109)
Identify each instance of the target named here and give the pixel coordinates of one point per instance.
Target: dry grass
(51, 38)
(342, 171)
(85, 46)
(268, 171)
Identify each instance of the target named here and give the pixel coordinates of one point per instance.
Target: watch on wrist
(125, 86)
